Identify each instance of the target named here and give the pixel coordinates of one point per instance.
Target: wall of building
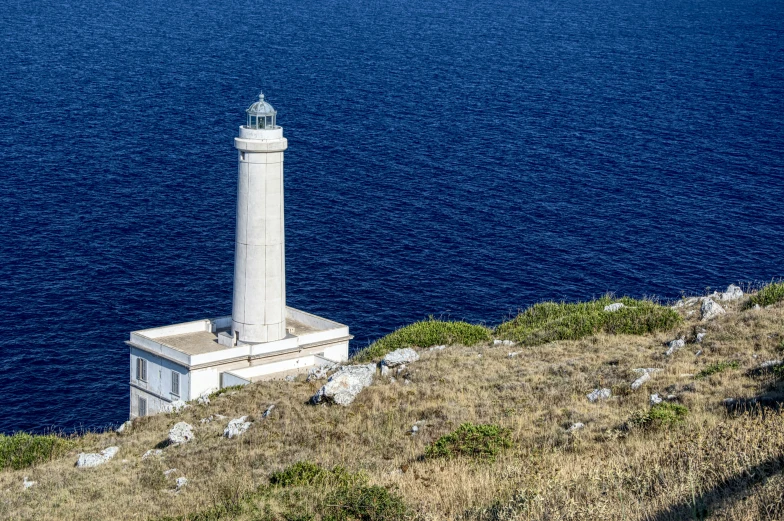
(158, 386)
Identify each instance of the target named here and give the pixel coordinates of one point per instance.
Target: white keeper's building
(263, 338)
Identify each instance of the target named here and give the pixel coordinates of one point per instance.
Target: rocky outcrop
(598, 394)
(180, 433)
(733, 292)
(92, 459)
(320, 372)
(177, 406)
(236, 427)
(400, 357)
(641, 380)
(710, 309)
(344, 386)
(152, 453)
(614, 307)
(675, 345)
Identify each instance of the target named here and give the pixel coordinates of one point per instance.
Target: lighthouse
(259, 304)
(263, 338)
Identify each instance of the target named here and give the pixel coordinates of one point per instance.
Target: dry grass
(714, 464)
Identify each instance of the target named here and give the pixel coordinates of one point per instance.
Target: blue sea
(460, 159)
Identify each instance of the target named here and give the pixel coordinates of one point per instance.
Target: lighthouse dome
(261, 114)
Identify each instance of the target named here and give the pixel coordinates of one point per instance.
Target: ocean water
(460, 159)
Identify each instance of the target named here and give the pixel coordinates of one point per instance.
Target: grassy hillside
(496, 436)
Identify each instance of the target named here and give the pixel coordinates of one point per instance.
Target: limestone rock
(93, 459)
(180, 433)
(290, 378)
(320, 372)
(641, 380)
(204, 399)
(576, 427)
(385, 372)
(733, 293)
(124, 427)
(177, 406)
(512, 355)
(656, 399)
(437, 348)
(151, 453)
(181, 482)
(675, 345)
(236, 427)
(614, 307)
(343, 386)
(710, 309)
(700, 338)
(27, 484)
(169, 472)
(400, 357)
(598, 394)
(686, 302)
(268, 411)
(503, 343)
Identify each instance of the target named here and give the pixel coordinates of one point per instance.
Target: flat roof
(200, 342)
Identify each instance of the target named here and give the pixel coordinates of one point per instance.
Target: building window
(142, 406)
(175, 383)
(141, 369)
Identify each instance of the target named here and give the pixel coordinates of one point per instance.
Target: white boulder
(180, 433)
(27, 484)
(733, 293)
(93, 459)
(700, 337)
(614, 307)
(268, 411)
(400, 357)
(236, 427)
(204, 398)
(710, 309)
(320, 372)
(181, 482)
(686, 302)
(177, 406)
(656, 399)
(152, 453)
(344, 386)
(385, 371)
(598, 394)
(503, 343)
(641, 380)
(513, 354)
(124, 427)
(576, 427)
(675, 345)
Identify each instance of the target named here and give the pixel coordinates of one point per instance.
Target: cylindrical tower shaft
(259, 304)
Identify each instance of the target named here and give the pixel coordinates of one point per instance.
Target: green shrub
(484, 441)
(25, 450)
(663, 414)
(550, 321)
(305, 473)
(425, 334)
(716, 368)
(372, 503)
(770, 294)
(225, 390)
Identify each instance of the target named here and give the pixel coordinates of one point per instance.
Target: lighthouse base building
(263, 338)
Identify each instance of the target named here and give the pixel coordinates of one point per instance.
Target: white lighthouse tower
(263, 338)
(259, 307)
